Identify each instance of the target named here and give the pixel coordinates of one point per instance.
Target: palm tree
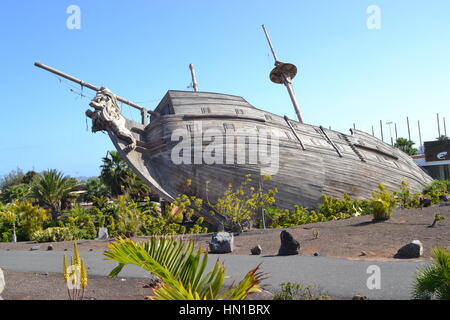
(442, 138)
(181, 268)
(135, 187)
(53, 190)
(433, 281)
(96, 188)
(114, 172)
(120, 179)
(406, 146)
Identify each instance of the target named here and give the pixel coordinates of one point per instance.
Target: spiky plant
(433, 281)
(181, 267)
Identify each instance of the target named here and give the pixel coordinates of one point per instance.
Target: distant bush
(52, 235)
(298, 291)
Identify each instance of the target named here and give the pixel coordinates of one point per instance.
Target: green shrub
(22, 217)
(441, 186)
(80, 221)
(436, 189)
(383, 203)
(241, 205)
(405, 198)
(284, 218)
(18, 192)
(331, 206)
(53, 235)
(128, 217)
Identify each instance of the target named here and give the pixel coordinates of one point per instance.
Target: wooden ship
(312, 161)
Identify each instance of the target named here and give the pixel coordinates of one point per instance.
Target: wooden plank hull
(312, 161)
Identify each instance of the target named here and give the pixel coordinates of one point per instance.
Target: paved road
(336, 277)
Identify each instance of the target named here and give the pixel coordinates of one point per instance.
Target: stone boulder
(222, 242)
(289, 246)
(411, 250)
(102, 234)
(256, 251)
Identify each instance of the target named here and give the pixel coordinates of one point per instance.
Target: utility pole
(409, 131)
(420, 136)
(194, 79)
(439, 126)
(445, 127)
(381, 127)
(390, 131)
(373, 132)
(284, 73)
(396, 136)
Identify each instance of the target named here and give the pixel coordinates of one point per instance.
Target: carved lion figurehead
(105, 102)
(107, 117)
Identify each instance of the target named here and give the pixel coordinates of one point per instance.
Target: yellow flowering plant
(75, 276)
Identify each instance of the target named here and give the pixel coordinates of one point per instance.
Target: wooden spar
(287, 72)
(194, 79)
(331, 141)
(294, 132)
(143, 110)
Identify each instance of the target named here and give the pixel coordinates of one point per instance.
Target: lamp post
(390, 131)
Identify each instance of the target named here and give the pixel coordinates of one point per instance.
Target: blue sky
(140, 49)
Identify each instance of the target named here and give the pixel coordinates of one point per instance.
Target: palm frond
(181, 267)
(433, 281)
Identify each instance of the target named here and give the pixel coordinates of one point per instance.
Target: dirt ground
(51, 286)
(355, 238)
(45, 286)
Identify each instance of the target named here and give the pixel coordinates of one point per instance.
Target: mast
(283, 73)
(194, 79)
(143, 110)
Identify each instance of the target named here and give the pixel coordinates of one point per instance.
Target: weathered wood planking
(331, 163)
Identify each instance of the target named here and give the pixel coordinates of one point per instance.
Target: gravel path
(339, 278)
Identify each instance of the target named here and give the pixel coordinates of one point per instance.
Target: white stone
(2, 282)
(102, 234)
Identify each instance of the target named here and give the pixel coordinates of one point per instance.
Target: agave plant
(433, 281)
(181, 268)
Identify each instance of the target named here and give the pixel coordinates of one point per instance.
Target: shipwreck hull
(312, 160)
